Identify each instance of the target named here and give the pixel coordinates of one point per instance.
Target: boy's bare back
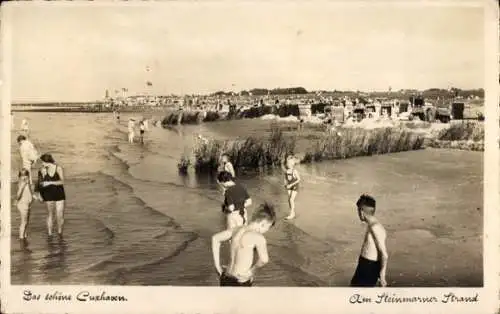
(242, 249)
(369, 249)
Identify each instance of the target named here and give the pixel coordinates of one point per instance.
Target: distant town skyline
(432, 93)
(76, 52)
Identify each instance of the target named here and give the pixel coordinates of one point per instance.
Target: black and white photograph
(247, 144)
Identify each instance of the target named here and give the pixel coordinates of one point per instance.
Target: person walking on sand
(291, 181)
(51, 188)
(131, 135)
(29, 154)
(372, 262)
(236, 201)
(244, 240)
(24, 198)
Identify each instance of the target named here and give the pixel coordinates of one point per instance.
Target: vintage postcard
(323, 156)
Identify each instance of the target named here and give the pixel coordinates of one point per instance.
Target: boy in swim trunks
(244, 240)
(372, 263)
(236, 200)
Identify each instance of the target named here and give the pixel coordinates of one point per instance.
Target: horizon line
(146, 94)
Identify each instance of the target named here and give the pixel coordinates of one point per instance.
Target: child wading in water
(24, 199)
(292, 179)
(226, 165)
(131, 134)
(142, 128)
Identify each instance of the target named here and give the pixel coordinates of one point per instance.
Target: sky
(75, 52)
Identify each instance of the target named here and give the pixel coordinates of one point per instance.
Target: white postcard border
(258, 299)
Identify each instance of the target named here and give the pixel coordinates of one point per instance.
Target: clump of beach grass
(464, 131)
(461, 145)
(249, 153)
(191, 117)
(171, 119)
(255, 153)
(212, 116)
(467, 135)
(184, 164)
(357, 142)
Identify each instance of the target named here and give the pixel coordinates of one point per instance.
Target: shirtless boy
(236, 200)
(244, 240)
(372, 263)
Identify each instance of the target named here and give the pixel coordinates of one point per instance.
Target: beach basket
(457, 111)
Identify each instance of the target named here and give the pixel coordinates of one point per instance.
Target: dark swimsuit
(236, 195)
(231, 281)
(290, 178)
(51, 193)
(367, 273)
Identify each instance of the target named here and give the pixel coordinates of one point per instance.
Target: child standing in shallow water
(226, 165)
(292, 179)
(142, 128)
(131, 135)
(24, 199)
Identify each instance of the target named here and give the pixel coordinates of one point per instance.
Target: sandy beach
(131, 219)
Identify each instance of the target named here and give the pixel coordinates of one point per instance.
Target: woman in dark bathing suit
(51, 188)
